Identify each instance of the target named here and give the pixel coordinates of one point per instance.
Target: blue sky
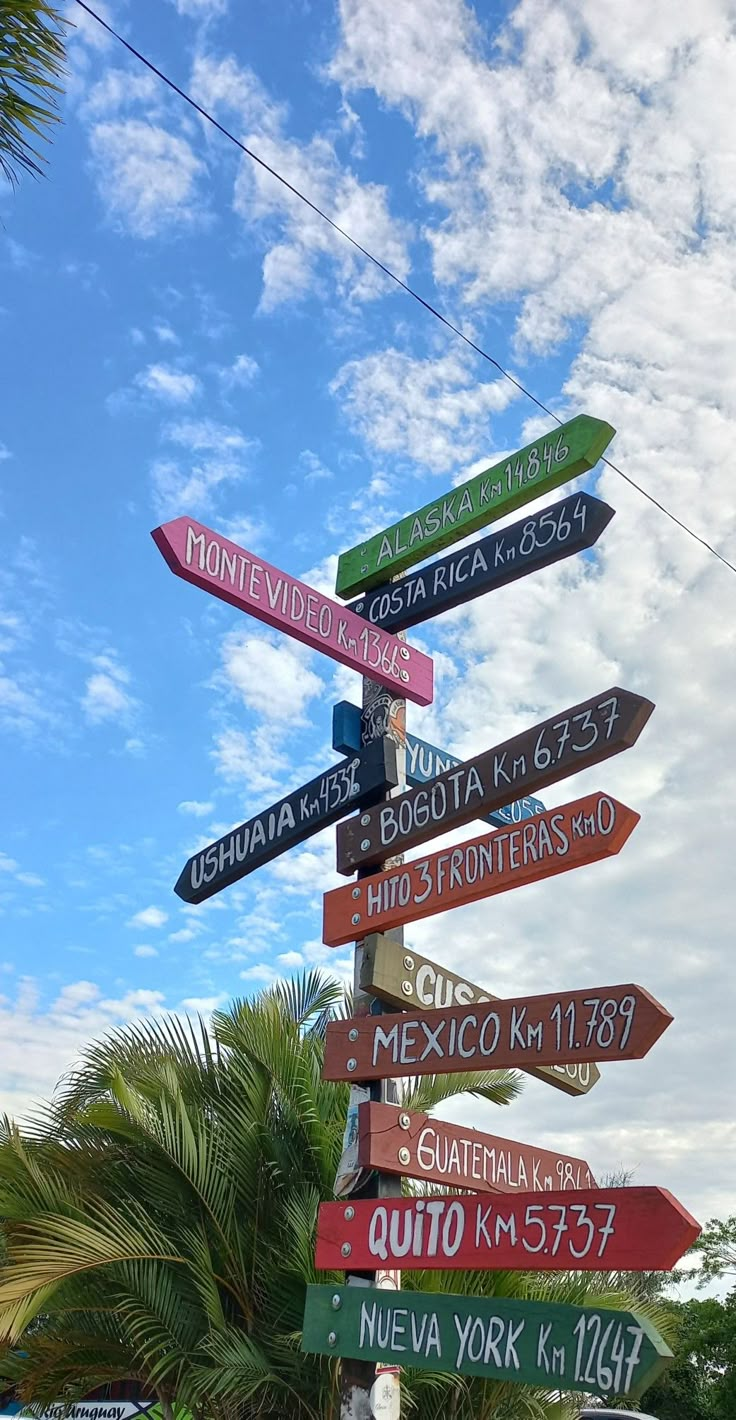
(181, 335)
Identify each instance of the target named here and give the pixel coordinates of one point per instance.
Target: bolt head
(346, 1249)
(406, 987)
(332, 1338)
(356, 918)
(404, 675)
(404, 1156)
(356, 892)
(336, 1301)
(365, 819)
(352, 1034)
(365, 844)
(404, 652)
(404, 1121)
(408, 963)
(352, 1064)
(349, 1213)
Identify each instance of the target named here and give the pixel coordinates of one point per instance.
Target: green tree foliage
(160, 1219)
(717, 1248)
(31, 59)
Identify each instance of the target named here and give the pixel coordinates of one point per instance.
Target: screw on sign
(575, 739)
(602, 1023)
(560, 456)
(547, 1344)
(300, 815)
(405, 979)
(625, 1229)
(423, 763)
(578, 833)
(503, 557)
(408, 1142)
(229, 572)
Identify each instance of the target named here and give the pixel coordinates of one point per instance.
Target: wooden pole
(383, 713)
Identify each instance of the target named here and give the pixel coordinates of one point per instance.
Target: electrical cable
(391, 274)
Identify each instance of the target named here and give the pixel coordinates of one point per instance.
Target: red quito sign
(393, 1140)
(553, 842)
(602, 1023)
(230, 572)
(631, 1229)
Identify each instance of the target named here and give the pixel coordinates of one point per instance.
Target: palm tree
(31, 59)
(160, 1217)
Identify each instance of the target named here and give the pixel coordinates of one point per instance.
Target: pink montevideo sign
(216, 565)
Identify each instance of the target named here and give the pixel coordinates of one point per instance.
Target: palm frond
(425, 1092)
(32, 34)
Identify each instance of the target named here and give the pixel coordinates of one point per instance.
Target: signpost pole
(383, 713)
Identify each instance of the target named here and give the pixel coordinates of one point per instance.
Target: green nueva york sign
(536, 1343)
(567, 451)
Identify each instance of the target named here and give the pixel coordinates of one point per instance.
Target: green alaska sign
(536, 1343)
(559, 456)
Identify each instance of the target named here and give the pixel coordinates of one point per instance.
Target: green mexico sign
(569, 450)
(536, 1343)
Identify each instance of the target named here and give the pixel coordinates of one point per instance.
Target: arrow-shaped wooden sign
(536, 541)
(559, 1347)
(363, 778)
(558, 457)
(575, 739)
(398, 1141)
(554, 842)
(602, 1023)
(624, 1229)
(423, 763)
(404, 979)
(234, 575)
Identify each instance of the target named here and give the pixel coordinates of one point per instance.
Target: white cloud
(185, 934)
(262, 973)
(169, 385)
(30, 879)
(147, 177)
(272, 677)
(201, 9)
(39, 1043)
(149, 917)
(163, 331)
(119, 89)
(433, 411)
(291, 960)
(216, 455)
(199, 808)
(313, 469)
(204, 1005)
(293, 265)
(106, 696)
(4, 452)
(300, 245)
(241, 374)
(23, 702)
(145, 951)
(223, 84)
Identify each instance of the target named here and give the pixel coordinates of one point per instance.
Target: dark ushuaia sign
(357, 781)
(534, 542)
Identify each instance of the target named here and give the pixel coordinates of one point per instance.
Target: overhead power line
(381, 266)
